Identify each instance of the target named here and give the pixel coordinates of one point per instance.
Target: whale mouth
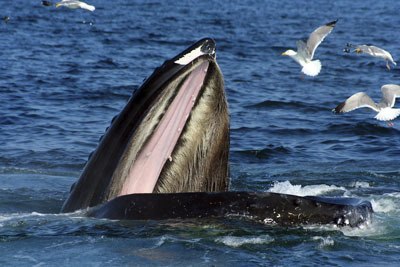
(161, 125)
(176, 107)
(172, 135)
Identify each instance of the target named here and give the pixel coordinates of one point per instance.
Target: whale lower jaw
(268, 208)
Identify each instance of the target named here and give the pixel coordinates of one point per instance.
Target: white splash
(384, 205)
(6, 217)
(394, 195)
(325, 241)
(387, 203)
(376, 228)
(298, 190)
(359, 184)
(237, 241)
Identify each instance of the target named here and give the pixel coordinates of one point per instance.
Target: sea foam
(237, 241)
(298, 190)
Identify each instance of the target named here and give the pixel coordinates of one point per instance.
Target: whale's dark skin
(193, 182)
(270, 208)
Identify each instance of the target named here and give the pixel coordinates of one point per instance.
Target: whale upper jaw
(172, 135)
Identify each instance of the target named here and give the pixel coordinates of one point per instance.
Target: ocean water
(64, 74)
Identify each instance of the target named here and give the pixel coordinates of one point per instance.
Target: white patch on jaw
(189, 57)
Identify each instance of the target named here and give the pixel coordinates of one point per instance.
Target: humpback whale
(165, 156)
(172, 136)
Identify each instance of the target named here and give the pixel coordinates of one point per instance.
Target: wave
(276, 130)
(388, 203)
(238, 241)
(25, 170)
(376, 228)
(19, 216)
(325, 242)
(309, 190)
(278, 104)
(361, 129)
(265, 153)
(107, 63)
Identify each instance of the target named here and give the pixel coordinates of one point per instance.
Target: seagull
(375, 52)
(305, 50)
(384, 108)
(73, 4)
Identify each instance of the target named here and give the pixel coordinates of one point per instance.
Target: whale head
(172, 136)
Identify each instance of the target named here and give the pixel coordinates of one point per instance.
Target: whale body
(165, 156)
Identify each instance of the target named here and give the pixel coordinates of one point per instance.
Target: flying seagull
(375, 52)
(305, 50)
(73, 4)
(384, 108)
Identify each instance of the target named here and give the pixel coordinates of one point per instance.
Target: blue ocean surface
(64, 74)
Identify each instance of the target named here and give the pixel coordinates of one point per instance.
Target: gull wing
(389, 94)
(375, 51)
(358, 100)
(302, 50)
(378, 51)
(317, 36)
(372, 50)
